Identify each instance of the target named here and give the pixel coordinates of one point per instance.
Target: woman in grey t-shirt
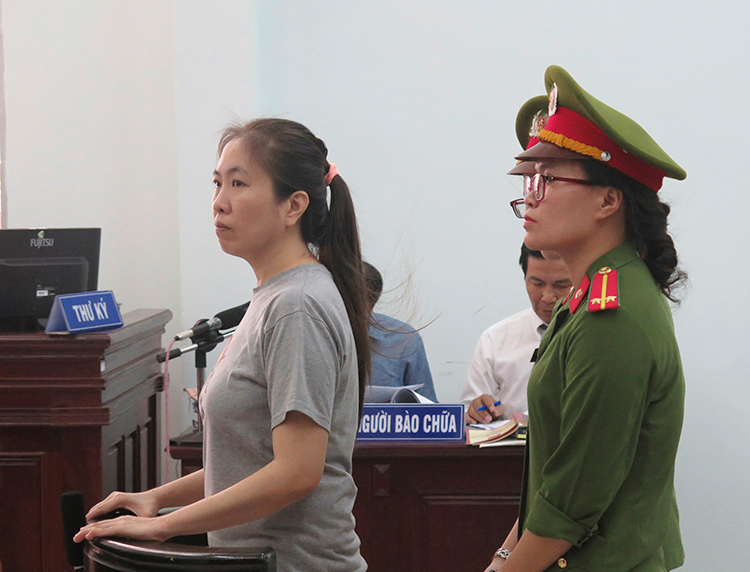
(281, 406)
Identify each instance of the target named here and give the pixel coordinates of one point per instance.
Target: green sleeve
(607, 365)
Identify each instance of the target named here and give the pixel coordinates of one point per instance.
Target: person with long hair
(398, 355)
(281, 407)
(606, 393)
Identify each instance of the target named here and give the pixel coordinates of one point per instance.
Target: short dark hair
(525, 253)
(374, 283)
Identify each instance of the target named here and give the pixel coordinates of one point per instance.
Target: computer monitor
(38, 264)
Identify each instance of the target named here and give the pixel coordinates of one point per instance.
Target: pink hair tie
(332, 172)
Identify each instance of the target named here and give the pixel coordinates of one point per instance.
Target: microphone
(221, 321)
(74, 518)
(203, 345)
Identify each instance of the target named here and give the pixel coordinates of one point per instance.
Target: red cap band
(568, 129)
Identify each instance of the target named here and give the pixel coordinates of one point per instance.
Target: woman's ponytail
(339, 250)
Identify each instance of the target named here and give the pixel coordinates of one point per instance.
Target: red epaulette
(576, 296)
(605, 291)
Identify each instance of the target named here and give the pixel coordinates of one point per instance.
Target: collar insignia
(579, 294)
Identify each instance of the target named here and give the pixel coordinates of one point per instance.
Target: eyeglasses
(537, 184)
(519, 207)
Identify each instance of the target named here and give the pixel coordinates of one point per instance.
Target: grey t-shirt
(293, 351)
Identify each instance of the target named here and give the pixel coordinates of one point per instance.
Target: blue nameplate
(72, 313)
(411, 422)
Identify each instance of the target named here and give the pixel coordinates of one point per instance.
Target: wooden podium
(77, 412)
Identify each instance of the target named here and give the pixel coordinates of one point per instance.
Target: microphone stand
(202, 344)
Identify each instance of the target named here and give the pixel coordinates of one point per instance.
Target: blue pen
(484, 407)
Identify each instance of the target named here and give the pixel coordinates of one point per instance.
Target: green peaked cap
(622, 130)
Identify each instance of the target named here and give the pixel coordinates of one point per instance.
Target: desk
(426, 507)
(77, 412)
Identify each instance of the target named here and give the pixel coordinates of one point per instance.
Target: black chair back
(179, 554)
(120, 555)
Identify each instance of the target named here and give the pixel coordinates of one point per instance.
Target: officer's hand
(473, 415)
(495, 565)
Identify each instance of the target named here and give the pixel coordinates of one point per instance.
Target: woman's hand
(137, 527)
(473, 415)
(142, 504)
(143, 526)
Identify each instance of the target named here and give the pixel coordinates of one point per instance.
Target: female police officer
(606, 392)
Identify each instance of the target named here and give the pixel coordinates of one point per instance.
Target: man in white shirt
(501, 365)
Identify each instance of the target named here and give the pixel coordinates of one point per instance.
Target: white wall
(416, 101)
(91, 131)
(3, 214)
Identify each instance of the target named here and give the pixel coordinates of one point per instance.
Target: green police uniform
(605, 414)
